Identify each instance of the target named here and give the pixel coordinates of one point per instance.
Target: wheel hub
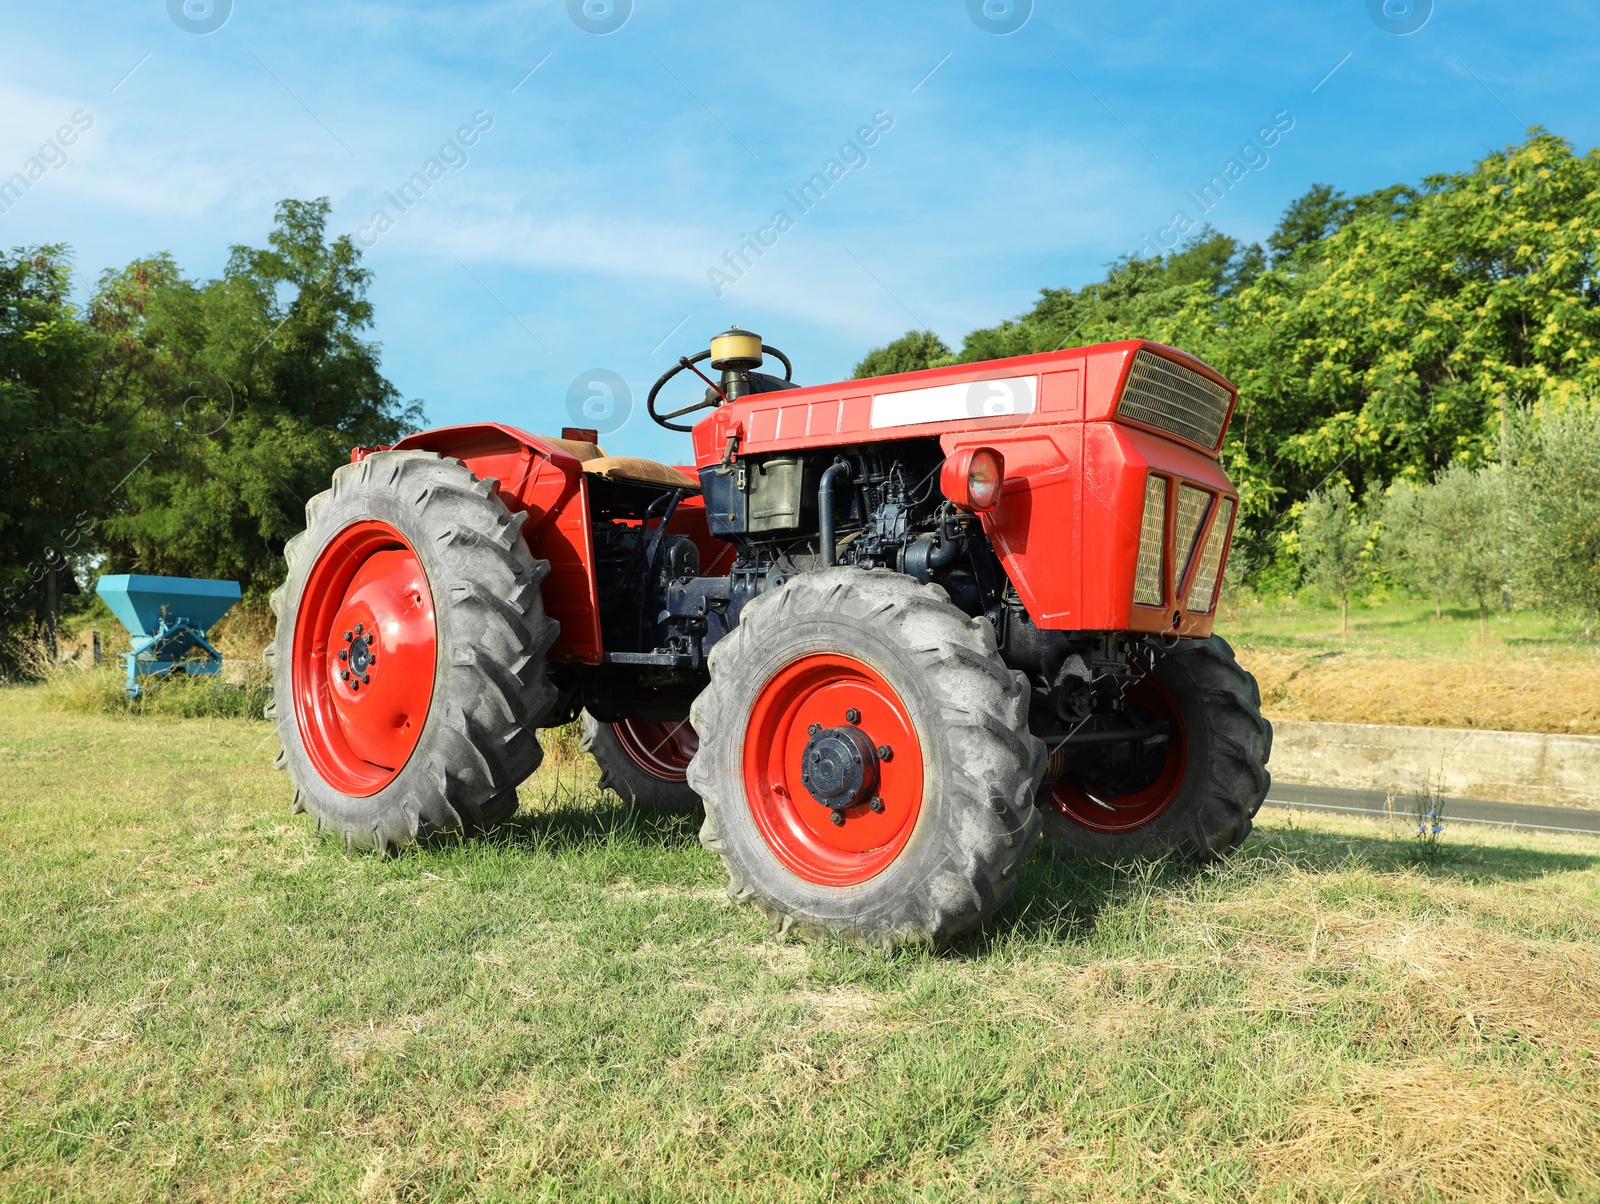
(359, 657)
(839, 767)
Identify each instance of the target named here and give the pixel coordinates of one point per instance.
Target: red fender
(535, 477)
(541, 479)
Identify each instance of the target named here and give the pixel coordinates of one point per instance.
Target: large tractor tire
(865, 761)
(644, 764)
(1193, 792)
(409, 659)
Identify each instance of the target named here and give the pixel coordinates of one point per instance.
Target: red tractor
(885, 631)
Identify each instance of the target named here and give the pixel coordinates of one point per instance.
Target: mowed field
(1401, 664)
(202, 999)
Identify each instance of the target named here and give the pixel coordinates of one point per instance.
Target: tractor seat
(633, 469)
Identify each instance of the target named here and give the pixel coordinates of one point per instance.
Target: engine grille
(1159, 393)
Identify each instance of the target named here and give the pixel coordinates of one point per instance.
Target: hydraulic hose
(825, 510)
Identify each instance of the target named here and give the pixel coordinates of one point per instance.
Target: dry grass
(1430, 1131)
(1400, 664)
(72, 681)
(1500, 690)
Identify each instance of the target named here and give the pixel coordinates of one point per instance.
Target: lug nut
(344, 654)
(885, 753)
(837, 817)
(875, 806)
(358, 629)
(813, 729)
(354, 686)
(348, 637)
(345, 674)
(852, 716)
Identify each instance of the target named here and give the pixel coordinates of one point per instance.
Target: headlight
(971, 478)
(1203, 593)
(1147, 584)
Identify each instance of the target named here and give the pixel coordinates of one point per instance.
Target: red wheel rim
(822, 689)
(360, 738)
(662, 750)
(1118, 813)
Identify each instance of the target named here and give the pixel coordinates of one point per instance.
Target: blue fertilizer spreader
(168, 618)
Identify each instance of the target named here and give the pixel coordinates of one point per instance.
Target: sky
(608, 175)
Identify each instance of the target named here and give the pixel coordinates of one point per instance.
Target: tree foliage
(70, 420)
(253, 388)
(1392, 346)
(1556, 484)
(1453, 537)
(1413, 553)
(911, 352)
(178, 426)
(1388, 336)
(1335, 544)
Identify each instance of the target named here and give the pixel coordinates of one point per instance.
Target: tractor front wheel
(409, 657)
(865, 761)
(1191, 790)
(643, 763)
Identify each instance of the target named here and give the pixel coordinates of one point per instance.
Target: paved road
(1456, 810)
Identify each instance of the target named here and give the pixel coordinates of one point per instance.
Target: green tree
(1137, 298)
(911, 352)
(1467, 512)
(71, 428)
(253, 388)
(1556, 487)
(1308, 219)
(1411, 551)
(1335, 544)
(1392, 344)
(1323, 210)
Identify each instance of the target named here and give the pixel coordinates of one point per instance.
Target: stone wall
(1507, 767)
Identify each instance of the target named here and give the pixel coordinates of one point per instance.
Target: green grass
(202, 998)
(1403, 629)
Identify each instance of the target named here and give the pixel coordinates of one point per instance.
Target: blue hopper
(168, 618)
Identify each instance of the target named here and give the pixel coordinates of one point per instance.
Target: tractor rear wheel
(865, 761)
(409, 658)
(643, 763)
(1192, 792)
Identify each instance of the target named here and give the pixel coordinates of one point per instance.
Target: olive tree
(1453, 537)
(1556, 494)
(1466, 512)
(1411, 551)
(1335, 538)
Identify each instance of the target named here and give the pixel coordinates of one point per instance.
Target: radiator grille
(1148, 587)
(1192, 506)
(1203, 593)
(1162, 394)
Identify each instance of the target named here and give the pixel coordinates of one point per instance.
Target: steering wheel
(711, 400)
